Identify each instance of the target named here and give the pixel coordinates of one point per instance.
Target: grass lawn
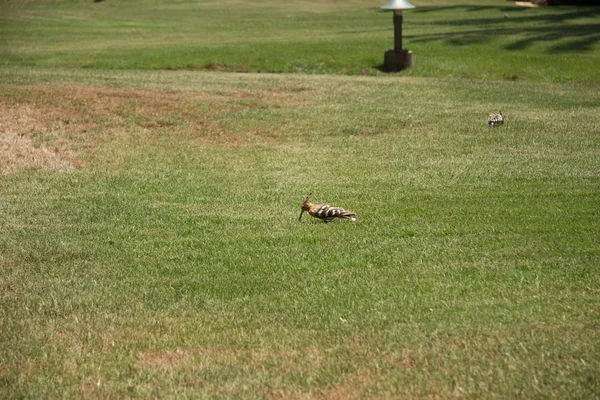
(491, 39)
(150, 244)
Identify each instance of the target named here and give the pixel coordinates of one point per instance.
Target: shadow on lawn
(541, 27)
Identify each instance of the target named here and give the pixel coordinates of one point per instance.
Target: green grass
(150, 244)
(171, 263)
(462, 39)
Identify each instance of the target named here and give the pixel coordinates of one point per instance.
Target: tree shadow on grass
(469, 8)
(570, 35)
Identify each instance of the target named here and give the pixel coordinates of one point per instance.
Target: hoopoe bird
(495, 119)
(325, 211)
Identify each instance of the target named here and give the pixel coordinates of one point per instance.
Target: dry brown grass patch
(21, 125)
(59, 127)
(55, 128)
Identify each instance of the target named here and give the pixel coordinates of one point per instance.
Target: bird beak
(301, 212)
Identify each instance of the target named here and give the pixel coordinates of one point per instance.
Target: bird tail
(340, 213)
(349, 215)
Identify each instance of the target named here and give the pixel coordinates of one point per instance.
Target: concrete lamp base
(397, 60)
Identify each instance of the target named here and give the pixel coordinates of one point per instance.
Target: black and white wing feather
(495, 119)
(328, 213)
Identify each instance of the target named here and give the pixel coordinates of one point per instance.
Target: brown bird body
(324, 211)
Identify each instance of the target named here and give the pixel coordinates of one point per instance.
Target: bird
(495, 119)
(324, 211)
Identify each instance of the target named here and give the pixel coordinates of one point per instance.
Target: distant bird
(495, 119)
(325, 211)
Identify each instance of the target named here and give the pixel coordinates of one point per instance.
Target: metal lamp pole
(398, 58)
(397, 30)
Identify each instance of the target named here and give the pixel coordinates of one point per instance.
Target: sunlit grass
(168, 261)
(150, 243)
(495, 40)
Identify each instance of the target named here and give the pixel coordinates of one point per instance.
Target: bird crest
(306, 203)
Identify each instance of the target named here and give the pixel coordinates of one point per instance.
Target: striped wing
(495, 119)
(328, 213)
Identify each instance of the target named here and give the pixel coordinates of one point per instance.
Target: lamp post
(397, 59)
